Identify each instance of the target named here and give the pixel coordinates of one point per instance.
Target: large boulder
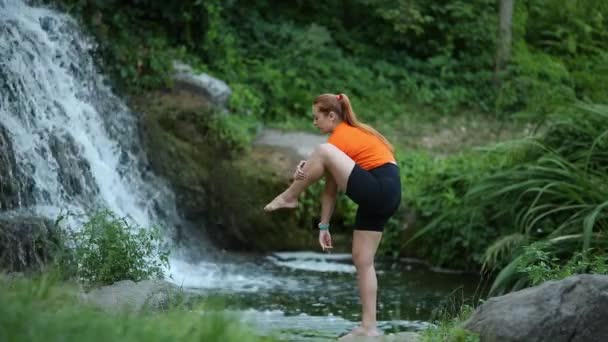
(217, 91)
(573, 309)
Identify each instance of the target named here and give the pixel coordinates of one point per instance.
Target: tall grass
(41, 310)
(450, 230)
(449, 323)
(559, 197)
(551, 190)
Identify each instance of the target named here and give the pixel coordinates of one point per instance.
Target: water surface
(305, 296)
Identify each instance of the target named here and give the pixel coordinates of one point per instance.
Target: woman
(359, 161)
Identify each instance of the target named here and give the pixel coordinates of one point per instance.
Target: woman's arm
(328, 198)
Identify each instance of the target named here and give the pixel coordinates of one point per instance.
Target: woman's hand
(299, 173)
(325, 239)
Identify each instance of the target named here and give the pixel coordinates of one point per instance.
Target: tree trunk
(503, 43)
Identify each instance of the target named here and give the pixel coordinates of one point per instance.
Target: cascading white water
(72, 138)
(74, 143)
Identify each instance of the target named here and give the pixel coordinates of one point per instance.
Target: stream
(310, 296)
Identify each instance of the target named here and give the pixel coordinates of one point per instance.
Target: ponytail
(346, 113)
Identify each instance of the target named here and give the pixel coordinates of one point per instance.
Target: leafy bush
(108, 248)
(537, 265)
(534, 75)
(232, 133)
(450, 230)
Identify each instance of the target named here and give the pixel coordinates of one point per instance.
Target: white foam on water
(218, 276)
(312, 255)
(314, 265)
(311, 261)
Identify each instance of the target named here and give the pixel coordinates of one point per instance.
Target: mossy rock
(239, 190)
(220, 190)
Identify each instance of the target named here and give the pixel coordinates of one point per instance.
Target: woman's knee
(362, 259)
(324, 149)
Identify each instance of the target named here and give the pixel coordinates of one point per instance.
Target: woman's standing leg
(365, 244)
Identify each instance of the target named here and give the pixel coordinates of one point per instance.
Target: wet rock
(48, 24)
(27, 243)
(15, 188)
(572, 309)
(74, 171)
(237, 194)
(217, 91)
(127, 295)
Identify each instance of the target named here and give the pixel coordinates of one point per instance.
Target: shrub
(108, 248)
(537, 265)
(450, 230)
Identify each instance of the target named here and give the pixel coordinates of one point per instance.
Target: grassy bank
(45, 310)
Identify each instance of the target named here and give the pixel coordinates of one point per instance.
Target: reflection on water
(304, 293)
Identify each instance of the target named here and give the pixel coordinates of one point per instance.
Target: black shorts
(378, 194)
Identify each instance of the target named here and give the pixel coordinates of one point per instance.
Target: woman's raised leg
(325, 158)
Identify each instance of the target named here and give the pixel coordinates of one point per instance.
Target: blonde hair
(340, 104)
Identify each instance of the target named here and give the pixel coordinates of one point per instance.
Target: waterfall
(67, 142)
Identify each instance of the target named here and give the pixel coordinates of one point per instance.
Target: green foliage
(538, 265)
(558, 196)
(244, 101)
(43, 310)
(568, 27)
(309, 205)
(449, 328)
(133, 48)
(107, 249)
(563, 40)
(309, 208)
(232, 132)
(483, 208)
(534, 75)
(452, 231)
(387, 54)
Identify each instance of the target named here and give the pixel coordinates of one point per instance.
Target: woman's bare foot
(280, 202)
(360, 332)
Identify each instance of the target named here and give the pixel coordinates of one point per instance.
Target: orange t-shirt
(364, 148)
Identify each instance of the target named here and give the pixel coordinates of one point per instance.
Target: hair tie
(339, 97)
